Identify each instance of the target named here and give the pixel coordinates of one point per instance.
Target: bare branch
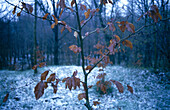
(59, 22)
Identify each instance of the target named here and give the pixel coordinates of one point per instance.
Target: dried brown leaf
(6, 97)
(45, 16)
(130, 27)
(13, 12)
(51, 78)
(39, 90)
(81, 96)
(55, 19)
(62, 29)
(72, 3)
(87, 14)
(44, 75)
(88, 68)
(27, 7)
(130, 89)
(117, 38)
(75, 49)
(68, 28)
(128, 43)
(96, 103)
(53, 25)
(61, 13)
(101, 75)
(118, 85)
(82, 7)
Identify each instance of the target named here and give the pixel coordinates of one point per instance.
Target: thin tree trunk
(35, 37)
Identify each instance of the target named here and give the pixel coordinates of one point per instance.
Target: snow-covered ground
(151, 92)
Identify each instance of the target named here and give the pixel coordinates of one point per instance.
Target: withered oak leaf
(96, 103)
(44, 75)
(130, 89)
(39, 90)
(118, 85)
(72, 81)
(6, 97)
(81, 96)
(51, 78)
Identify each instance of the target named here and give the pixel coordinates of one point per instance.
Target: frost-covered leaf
(75, 34)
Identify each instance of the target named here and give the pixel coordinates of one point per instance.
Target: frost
(150, 92)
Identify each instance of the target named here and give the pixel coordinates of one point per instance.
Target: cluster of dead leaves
(153, 13)
(40, 59)
(104, 85)
(75, 48)
(72, 81)
(123, 25)
(43, 84)
(25, 6)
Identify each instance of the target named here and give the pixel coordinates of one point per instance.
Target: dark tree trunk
(56, 46)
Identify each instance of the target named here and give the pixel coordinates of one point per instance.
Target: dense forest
(88, 33)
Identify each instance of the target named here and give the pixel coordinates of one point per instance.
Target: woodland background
(150, 46)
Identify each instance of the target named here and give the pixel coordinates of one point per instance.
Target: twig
(131, 35)
(96, 31)
(59, 22)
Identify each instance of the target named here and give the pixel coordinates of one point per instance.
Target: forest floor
(151, 91)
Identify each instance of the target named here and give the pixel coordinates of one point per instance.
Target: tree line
(150, 46)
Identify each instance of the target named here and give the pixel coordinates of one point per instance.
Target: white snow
(150, 92)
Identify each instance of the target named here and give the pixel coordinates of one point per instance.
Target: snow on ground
(150, 91)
